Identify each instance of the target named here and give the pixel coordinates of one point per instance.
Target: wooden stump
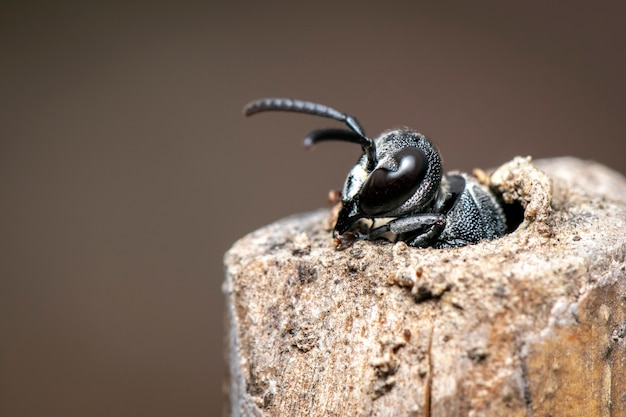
(532, 324)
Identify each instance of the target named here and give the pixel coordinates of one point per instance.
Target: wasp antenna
(344, 135)
(296, 106)
(306, 107)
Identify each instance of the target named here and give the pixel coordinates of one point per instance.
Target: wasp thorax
(386, 189)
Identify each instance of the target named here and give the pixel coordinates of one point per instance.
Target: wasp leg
(426, 239)
(454, 243)
(423, 228)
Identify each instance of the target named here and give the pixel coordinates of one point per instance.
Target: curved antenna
(344, 135)
(307, 107)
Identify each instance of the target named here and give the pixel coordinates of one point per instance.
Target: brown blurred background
(127, 170)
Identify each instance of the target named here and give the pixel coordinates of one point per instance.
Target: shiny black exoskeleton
(399, 178)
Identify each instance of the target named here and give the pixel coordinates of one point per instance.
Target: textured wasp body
(400, 178)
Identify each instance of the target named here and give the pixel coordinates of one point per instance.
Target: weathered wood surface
(532, 324)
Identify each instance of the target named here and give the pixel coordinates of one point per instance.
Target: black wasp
(400, 178)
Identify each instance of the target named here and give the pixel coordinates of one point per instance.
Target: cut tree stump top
(531, 324)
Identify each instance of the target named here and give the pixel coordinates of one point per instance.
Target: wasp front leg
(419, 230)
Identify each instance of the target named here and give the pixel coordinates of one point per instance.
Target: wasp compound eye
(386, 190)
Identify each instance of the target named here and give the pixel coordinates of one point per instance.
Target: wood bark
(531, 324)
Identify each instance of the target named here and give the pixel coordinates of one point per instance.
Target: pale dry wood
(532, 324)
